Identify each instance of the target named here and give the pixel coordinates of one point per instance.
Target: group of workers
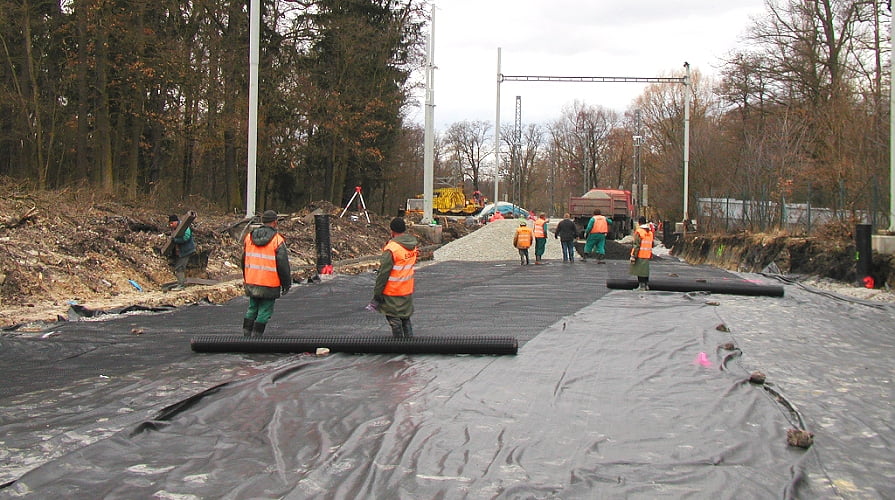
(267, 275)
(595, 244)
(525, 237)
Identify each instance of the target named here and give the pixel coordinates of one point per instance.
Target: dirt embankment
(825, 257)
(59, 248)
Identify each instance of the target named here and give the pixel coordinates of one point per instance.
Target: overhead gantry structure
(684, 80)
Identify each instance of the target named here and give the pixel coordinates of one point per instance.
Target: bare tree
(662, 109)
(521, 168)
(580, 138)
(812, 69)
(468, 147)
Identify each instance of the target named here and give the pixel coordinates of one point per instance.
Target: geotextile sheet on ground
(616, 394)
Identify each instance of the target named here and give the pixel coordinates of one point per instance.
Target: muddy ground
(75, 247)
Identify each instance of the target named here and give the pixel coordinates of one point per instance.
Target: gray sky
(637, 38)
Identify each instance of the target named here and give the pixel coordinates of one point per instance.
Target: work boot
(408, 328)
(247, 327)
(258, 329)
(181, 280)
(396, 325)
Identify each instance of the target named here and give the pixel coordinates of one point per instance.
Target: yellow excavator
(448, 201)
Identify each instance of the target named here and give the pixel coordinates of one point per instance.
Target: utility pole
(686, 143)
(497, 134)
(254, 56)
(429, 135)
(891, 128)
(638, 177)
(517, 154)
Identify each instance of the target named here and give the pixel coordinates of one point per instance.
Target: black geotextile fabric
(610, 395)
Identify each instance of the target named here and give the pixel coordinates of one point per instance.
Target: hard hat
(522, 223)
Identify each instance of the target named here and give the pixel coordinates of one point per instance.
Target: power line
(589, 79)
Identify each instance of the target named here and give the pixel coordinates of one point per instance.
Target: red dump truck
(613, 203)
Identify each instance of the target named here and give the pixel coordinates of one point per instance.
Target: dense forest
(148, 100)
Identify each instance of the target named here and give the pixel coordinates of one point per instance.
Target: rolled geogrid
(731, 287)
(357, 344)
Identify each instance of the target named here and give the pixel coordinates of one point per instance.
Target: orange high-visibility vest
(539, 228)
(261, 262)
(400, 279)
(523, 237)
(646, 244)
(600, 225)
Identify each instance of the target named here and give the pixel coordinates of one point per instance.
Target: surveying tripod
(357, 194)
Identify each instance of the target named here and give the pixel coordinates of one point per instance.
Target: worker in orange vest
(266, 273)
(540, 234)
(393, 291)
(522, 241)
(642, 253)
(595, 232)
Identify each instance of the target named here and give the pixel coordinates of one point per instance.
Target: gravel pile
(494, 242)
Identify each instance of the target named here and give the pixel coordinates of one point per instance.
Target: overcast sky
(637, 38)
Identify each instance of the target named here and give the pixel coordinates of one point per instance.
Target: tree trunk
(36, 120)
(137, 109)
(105, 170)
(81, 163)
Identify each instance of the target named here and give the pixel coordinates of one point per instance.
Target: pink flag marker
(703, 359)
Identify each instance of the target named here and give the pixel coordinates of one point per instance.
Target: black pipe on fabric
(357, 344)
(864, 255)
(730, 287)
(324, 242)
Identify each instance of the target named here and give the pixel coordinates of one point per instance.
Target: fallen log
(13, 222)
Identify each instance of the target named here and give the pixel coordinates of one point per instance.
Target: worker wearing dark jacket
(567, 232)
(184, 247)
(266, 273)
(393, 291)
